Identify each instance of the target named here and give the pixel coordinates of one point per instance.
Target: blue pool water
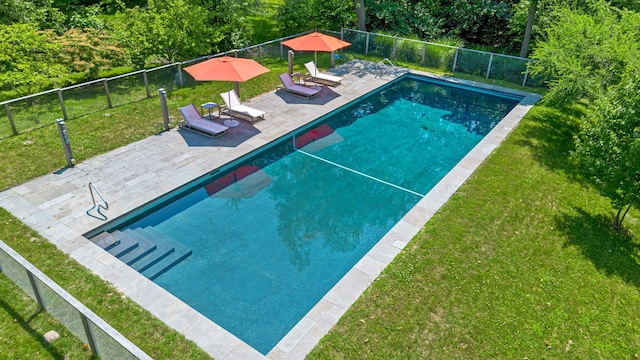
(271, 239)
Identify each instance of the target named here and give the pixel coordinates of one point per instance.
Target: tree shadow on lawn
(25, 324)
(615, 253)
(549, 132)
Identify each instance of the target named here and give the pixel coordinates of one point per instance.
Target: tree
(228, 19)
(608, 145)
(593, 57)
(167, 31)
(303, 15)
(361, 14)
(29, 60)
(524, 50)
(585, 53)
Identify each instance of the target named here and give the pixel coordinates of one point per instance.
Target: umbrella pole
(231, 122)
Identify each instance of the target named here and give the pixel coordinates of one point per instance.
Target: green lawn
(520, 263)
(23, 327)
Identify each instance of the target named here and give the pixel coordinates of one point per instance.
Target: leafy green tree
(585, 53)
(479, 22)
(15, 11)
(29, 60)
(303, 15)
(608, 146)
(406, 17)
(593, 57)
(167, 31)
(229, 20)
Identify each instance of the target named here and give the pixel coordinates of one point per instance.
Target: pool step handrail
(104, 205)
(384, 67)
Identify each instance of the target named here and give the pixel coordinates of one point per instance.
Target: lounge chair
(319, 77)
(289, 86)
(235, 108)
(193, 121)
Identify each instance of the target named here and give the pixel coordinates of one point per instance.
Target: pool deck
(56, 205)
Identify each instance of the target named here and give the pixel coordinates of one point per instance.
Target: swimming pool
(271, 234)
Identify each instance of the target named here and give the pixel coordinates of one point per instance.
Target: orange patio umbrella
(226, 68)
(315, 42)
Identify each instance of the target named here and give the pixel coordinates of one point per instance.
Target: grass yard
(23, 327)
(520, 263)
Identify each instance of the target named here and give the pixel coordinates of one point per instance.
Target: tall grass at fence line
(409, 51)
(381, 46)
(472, 63)
(508, 69)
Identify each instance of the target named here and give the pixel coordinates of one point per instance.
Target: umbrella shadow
(234, 137)
(324, 96)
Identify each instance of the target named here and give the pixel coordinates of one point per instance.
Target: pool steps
(146, 250)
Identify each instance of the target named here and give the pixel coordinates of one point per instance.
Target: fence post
(106, 90)
(146, 82)
(13, 125)
(395, 44)
(64, 136)
(90, 337)
(260, 54)
(180, 79)
(165, 110)
(64, 109)
(366, 46)
(489, 67)
(526, 74)
(36, 290)
(455, 60)
(424, 53)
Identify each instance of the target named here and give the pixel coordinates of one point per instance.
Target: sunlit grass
(23, 327)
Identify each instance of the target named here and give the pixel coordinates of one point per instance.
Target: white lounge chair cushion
(232, 102)
(314, 72)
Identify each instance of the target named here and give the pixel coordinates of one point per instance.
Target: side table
(209, 106)
(298, 77)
